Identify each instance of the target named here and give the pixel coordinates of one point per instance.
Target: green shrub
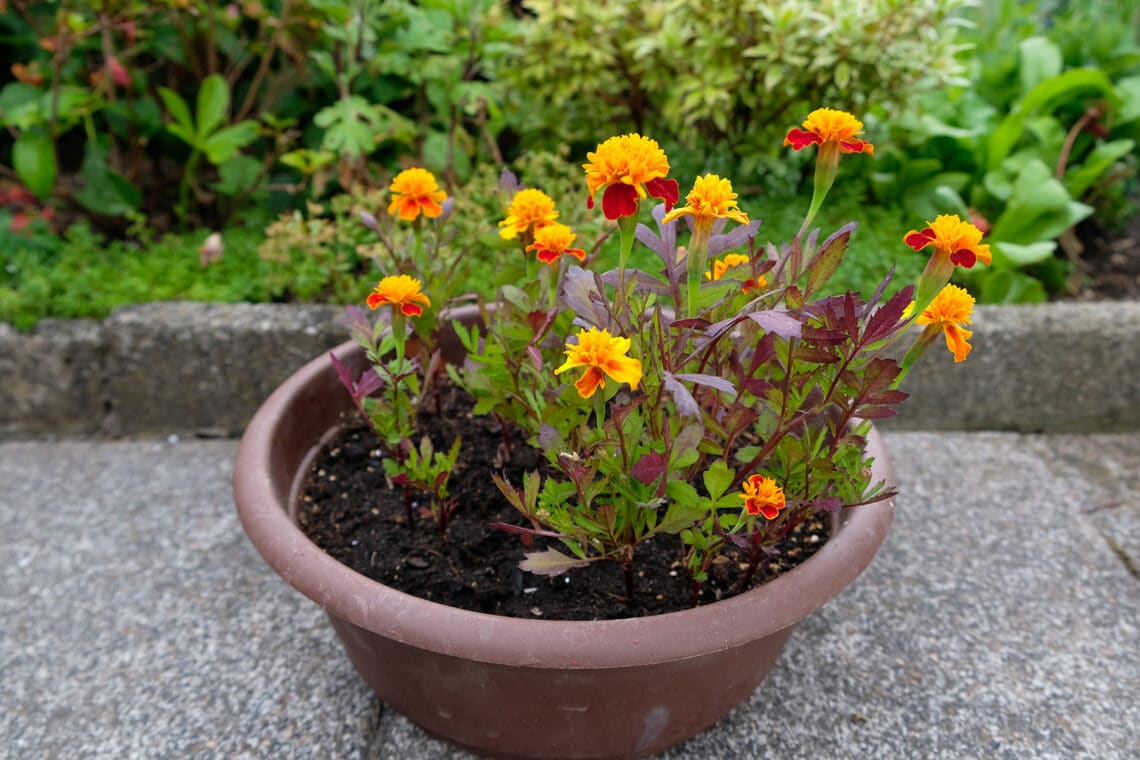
(736, 73)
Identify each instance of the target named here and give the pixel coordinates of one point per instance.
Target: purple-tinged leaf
(887, 397)
(739, 541)
(535, 356)
(440, 479)
(644, 281)
(655, 244)
(368, 383)
(821, 337)
(686, 404)
(649, 468)
(550, 562)
(447, 207)
(876, 412)
(886, 319)
(878, 294)
(826, 261)
(696, 323)
(509, 182)
(359, 327)
(712, 381)
(850, 321)
(583, 293)
(343, 375)
(779, 322)
(828, 504)
(817, 355)
(550, 439)
(369, 221)
(738, 237)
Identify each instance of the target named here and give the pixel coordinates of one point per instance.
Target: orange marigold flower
(711, 198)
(529, 210)
(949, 310)
(399, 290)
(554, 240)
(602, 355)
(826, 125)
(762, 496)
(952, 237)
(414, 192)
(627, 168)
(720, 266)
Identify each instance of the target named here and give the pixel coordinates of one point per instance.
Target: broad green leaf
(678, 517)
(1064, 87)
(238, 174)
(22, 106)
(33, 158)
(435, 151)
(180, 112)
(1129, 91)
(213, 102)
(1024, 255)
(1099, 160)
(308, 161)
(223, 144)
(105, 191)
(1040, 60)
(1039, 208)
(1009, 287)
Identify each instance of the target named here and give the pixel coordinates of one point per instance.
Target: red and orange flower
(762, 496)
(400, 291)
(950, 309)
(626, 169)
(603, 355)
(414, 192)
(554, 240)
(826, 126)
(530, 209)
(952, 237)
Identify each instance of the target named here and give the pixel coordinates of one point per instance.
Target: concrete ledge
(205, 368)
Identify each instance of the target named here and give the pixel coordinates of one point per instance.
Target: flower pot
(512, 687)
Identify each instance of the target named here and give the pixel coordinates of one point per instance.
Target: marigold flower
(554, 240)
(949, 310)
(627, 168)
(711, 198)
(414, 192)
(762, 496)
(826, 125)
(602, 355)
(399, 290)
(529, 210)
(952, 237)
(720, 266)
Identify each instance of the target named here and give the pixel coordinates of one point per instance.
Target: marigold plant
(717, 398)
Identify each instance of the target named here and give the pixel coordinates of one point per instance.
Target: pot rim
(266, 517)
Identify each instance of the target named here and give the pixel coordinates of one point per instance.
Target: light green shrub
(734, 74)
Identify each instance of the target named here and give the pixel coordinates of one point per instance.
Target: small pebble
(418, 562)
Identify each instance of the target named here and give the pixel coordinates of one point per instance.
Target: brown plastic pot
(510, 687)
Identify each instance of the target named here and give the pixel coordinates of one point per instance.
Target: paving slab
(1001, 619)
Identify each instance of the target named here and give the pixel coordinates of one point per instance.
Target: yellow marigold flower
(949, 310)
(399, 290)
(628, 168)
(826, 125)
(554, 240)
(762, 496)
(414, 192)
(952, 237)
(711, 198)
(529, 210)
(720, 266)
(602, 355)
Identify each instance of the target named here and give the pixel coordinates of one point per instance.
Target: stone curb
(205, 368)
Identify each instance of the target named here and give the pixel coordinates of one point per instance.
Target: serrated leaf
(717, 478)
(550, 562)
(213, 103)
(181, 114)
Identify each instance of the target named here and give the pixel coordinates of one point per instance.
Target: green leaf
(33, 158)
(237, 175)
(1039, 208)
(678, 517)
(22, 106)
(1040, 60)
(180, 112)
(1024, 255)
(1009, 287)
(718, 477)
(1129, 91)
(223, 144)
(1099, 160)
(213, 102)
(550, 562)
(105, 191)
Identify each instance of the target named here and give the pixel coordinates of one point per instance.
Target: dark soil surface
(349, 510)
(1108, 262)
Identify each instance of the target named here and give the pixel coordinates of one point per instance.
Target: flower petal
(855, 145)
(410, 309)
(624, 369)
(964, 257)
(619, 200)
(590, 381)
(375, 301)
(545, 255)
(956, 338)
(799, 139)
(919, 240)
(666, 189)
